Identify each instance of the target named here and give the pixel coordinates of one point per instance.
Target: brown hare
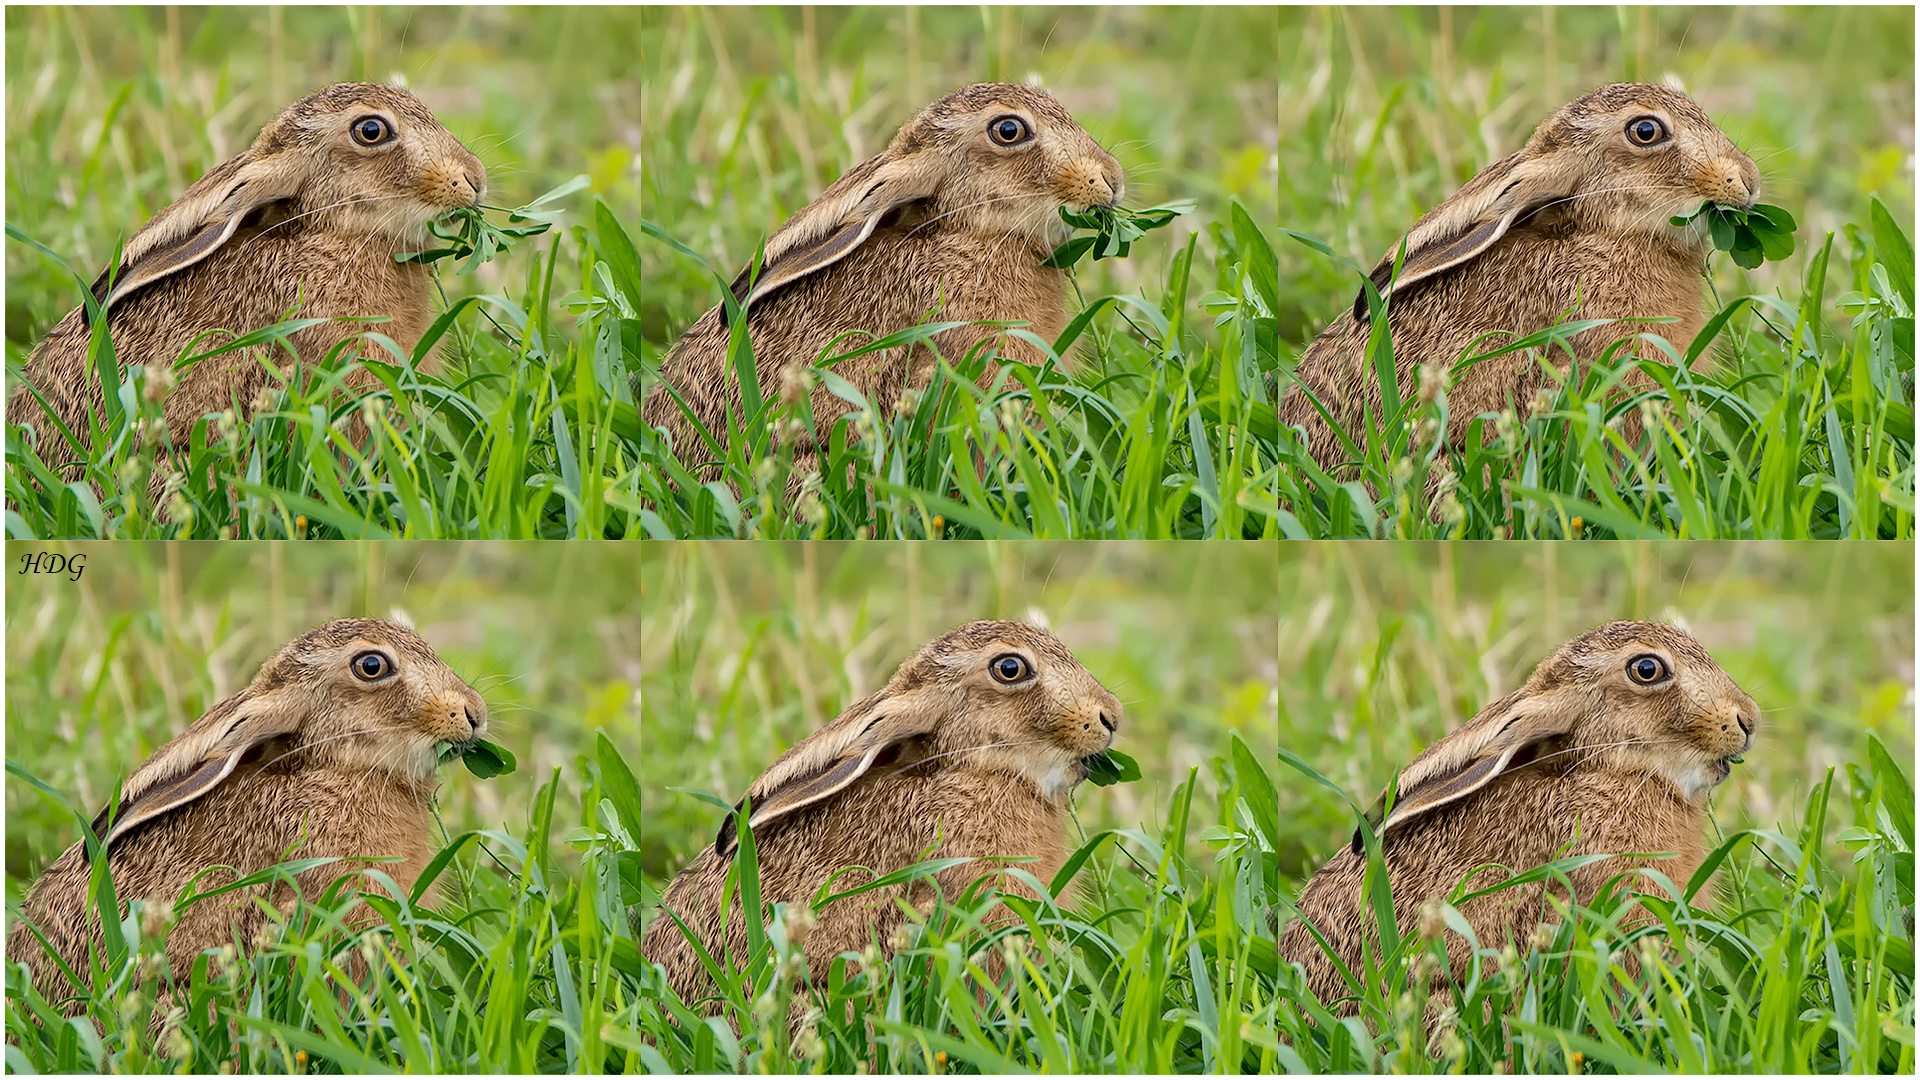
(1611, 747)
(1575, 223)
(303, 223)
(970, 750)
(332, 750)
(952, 221)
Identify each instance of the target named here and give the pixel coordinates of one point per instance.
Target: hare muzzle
(453, 716)
(1733, 180)
(1082, 731)
(453, 184)
(1089, 182)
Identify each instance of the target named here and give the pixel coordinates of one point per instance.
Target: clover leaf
(1112, 767)
(484, 759)
(1753, 235)
(1117, 228)
(472, 239)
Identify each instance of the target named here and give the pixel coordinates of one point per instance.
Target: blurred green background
(112, 111)
(102, 671)
(1386, 647)
(748, 112)
(748, 648)
(1384, 111)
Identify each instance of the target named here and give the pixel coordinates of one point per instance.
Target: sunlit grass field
(1308, 138)
(1799, 960)
(1163, 954)
(1798, 419)
(103, 670)
(748, 649)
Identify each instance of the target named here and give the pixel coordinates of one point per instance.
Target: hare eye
(1647, 669)
(370, 666)
(1646, 131)
(1009, 130)
(1010, 668)
(371, 131)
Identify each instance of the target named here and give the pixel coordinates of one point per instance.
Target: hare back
(280, 812)
(1521, 820)
(302, 274)
(880, 825)
(1567, 275)
(914, 278)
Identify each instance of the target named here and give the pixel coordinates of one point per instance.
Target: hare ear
(870, 196)
(239, 195)
(239, 731)
(882, 734)
(1469, 223)
(1502, 738)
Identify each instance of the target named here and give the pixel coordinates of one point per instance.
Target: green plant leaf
(1112, 767)
(487, 760)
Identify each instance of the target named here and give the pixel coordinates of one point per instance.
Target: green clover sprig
(1111, 767)
(1759, 233)
(1116, 227)
(484, 759)
(471, 239)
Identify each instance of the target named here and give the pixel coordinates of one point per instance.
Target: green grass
(529, 964)
(1791, 417)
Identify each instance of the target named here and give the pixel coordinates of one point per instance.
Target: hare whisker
(966, 206)
(329, 206)
(973, 749)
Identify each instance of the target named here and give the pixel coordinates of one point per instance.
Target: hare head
(993, 159)
(999, 698)
(1620, 161)
(354, 696)
(358, 159)
(1627, 698)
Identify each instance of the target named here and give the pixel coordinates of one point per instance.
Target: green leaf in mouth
(1117, 226)
(469, 238)
(1111, 767)
(484, 759)
(1756, 234)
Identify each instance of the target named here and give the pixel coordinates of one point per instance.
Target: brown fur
(1586, 236)
(960, 226)
(1599, 765)
(966, 767)
(337, 767)
(321, 219)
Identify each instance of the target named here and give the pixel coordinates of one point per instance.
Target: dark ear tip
(1359, 842)
(1360, 307)
(723, 841)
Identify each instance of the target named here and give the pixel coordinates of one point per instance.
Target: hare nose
(1746, 723)
(1106, 721)
(474, 712)
(476, 176)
